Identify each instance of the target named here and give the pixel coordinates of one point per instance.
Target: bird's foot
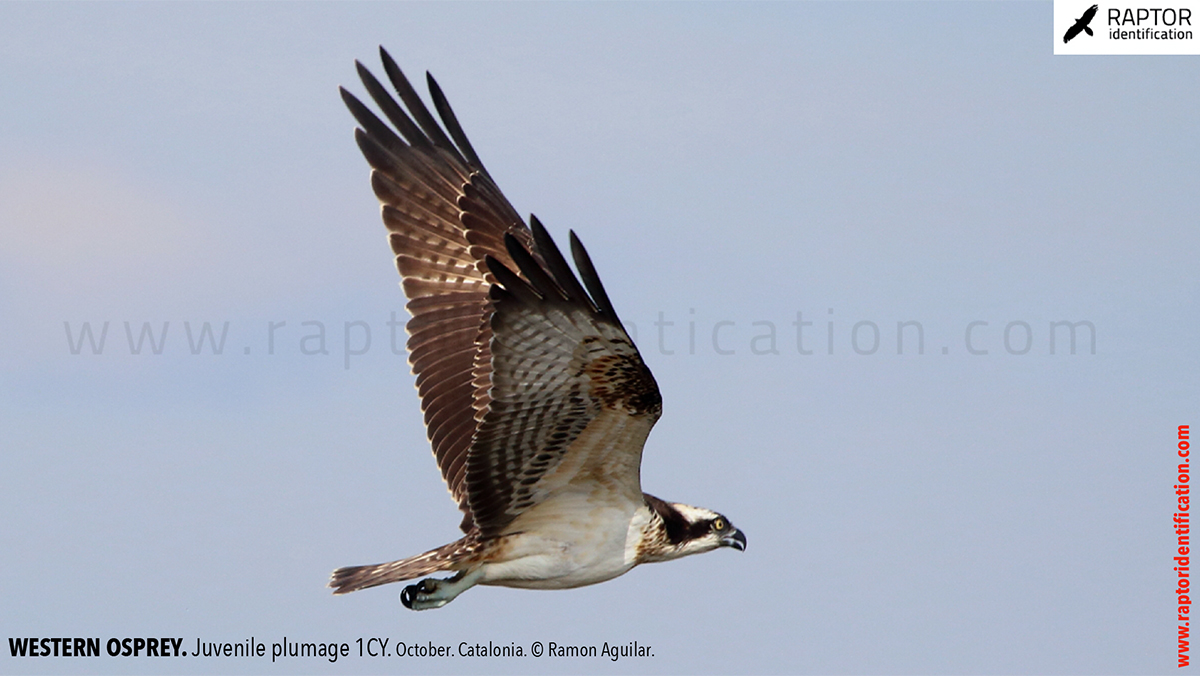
(435, 593)
(422, 595)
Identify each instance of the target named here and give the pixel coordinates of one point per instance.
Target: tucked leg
(435, 593)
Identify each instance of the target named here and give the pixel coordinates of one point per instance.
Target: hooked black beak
(736, 539)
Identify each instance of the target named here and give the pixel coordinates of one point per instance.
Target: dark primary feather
(444, 216)
(592, 280)
(555, 263)
(538, 278)
(447, 115)
(432, 130)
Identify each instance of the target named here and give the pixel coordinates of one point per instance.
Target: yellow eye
(718, 523)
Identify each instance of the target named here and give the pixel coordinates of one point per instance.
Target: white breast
(567, 541)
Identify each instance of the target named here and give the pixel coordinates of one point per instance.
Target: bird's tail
(444, 558)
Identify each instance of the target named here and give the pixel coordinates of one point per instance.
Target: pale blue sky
(728, 166)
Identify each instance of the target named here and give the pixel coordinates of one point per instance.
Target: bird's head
(691, 530)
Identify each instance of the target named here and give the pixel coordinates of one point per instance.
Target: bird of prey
(1081, 24)
(536, 401)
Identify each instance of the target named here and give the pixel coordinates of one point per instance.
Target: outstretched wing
(571, 399)
(445, 217)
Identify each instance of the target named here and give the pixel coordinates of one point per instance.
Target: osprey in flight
(536, 401)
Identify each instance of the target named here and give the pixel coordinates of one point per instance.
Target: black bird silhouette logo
(1081, 24)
